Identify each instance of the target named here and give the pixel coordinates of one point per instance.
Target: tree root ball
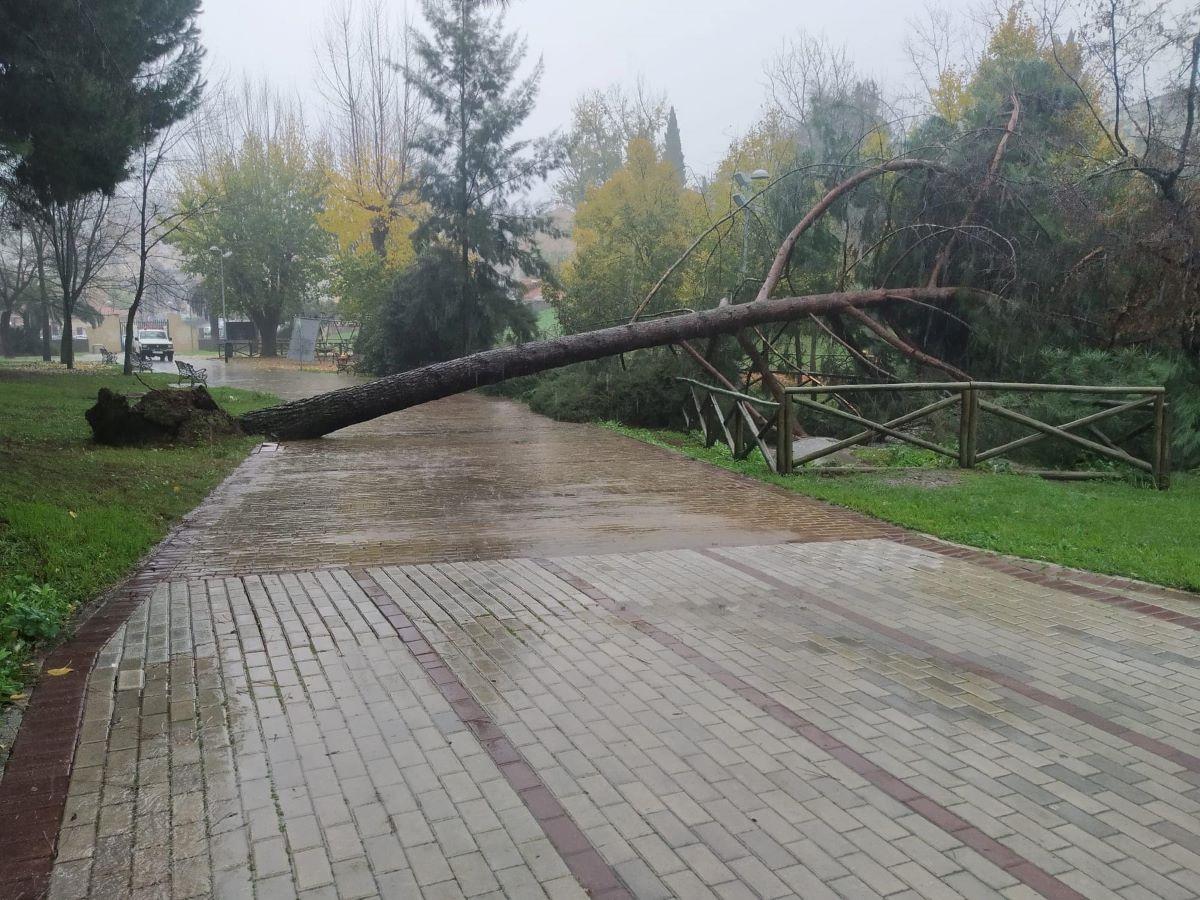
(159, 417)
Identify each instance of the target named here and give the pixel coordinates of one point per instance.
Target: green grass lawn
(1114, 527)
(75, 516)
(547, 322)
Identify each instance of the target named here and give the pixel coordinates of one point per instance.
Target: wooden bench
(191, 373)
(107, 356)
(141, 365)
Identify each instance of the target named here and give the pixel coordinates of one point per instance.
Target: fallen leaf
(57, 673)
(17, 696)
(71, 513)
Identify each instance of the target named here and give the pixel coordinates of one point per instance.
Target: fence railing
(747, 422)
(743, 423)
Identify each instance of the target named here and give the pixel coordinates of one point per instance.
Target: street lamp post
(222, 255)
(747, 188)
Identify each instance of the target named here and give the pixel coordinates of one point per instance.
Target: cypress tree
(674, 146)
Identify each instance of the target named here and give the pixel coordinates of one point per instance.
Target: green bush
(642, 392)
(30, 614)
(903, 456)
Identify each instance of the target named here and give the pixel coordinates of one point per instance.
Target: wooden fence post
(739, 430)
(968, 428)
(710, 422)
(783, 437)
(1162, 444)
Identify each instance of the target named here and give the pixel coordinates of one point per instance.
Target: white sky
(706, 55)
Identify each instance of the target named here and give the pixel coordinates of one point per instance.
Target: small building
(186, 332)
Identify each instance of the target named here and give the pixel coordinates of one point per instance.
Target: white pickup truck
(152, 342)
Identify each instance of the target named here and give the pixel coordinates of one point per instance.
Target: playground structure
(334, 343)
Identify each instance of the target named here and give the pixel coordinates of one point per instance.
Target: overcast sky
(707, 55)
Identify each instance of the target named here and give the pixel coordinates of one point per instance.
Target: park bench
(191, 373)
(107, 356)
(344, 362)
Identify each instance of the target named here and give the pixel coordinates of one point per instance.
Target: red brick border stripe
(1010, 861)
(1153, 745)
(584, 861)
(33, 793)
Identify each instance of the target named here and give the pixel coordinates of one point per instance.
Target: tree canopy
(83, 84)
(253, 222)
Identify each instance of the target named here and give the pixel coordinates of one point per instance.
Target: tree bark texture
(317, 416)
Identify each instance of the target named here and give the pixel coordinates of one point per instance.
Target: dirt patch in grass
(923, 478)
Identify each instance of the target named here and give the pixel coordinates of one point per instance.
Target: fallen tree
(320, 415)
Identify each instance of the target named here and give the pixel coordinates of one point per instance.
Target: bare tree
(154, 218)
(937, 46)
(18, 268)
(45, 302)
(603, 122)
(366, 64)
(1141, 82)
(807, 68)
(1150, 120)
(82, 236)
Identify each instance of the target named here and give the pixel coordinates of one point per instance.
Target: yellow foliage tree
(627, 232)
(365, 222)
(950, 96)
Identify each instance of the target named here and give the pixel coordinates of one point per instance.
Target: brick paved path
(468, 652)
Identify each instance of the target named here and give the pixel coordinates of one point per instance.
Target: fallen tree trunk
(317, 416)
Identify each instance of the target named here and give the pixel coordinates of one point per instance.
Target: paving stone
(712, 689)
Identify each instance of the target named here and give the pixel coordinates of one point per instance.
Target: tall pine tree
(84, 83)
(673, 151)
(461, 294)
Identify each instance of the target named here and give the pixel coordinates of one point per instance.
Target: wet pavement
(465, 651)
(476, 478)
(281, 377)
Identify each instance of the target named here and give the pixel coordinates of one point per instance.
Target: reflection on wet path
(476, 478)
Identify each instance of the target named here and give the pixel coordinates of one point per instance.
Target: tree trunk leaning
(317, 416)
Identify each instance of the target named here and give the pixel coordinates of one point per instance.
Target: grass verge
(1117, 528)
(75, 517)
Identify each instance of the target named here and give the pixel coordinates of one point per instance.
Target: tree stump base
(159, 417)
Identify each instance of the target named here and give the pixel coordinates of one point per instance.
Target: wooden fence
(746, 423)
